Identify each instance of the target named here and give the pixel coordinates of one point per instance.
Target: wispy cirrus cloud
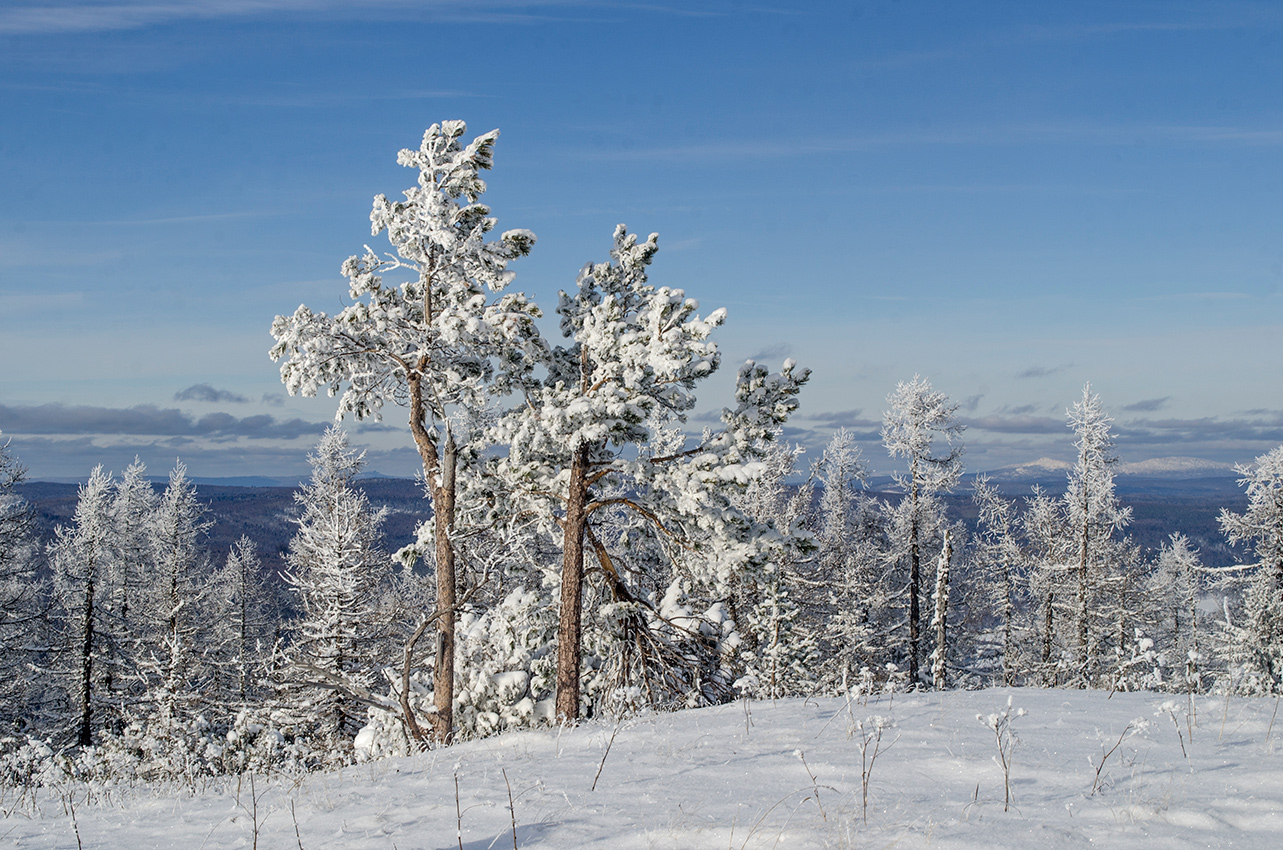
(1209, 18)
(822, 142)
(29, 17)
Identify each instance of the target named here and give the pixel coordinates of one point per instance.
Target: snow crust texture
(788, 773)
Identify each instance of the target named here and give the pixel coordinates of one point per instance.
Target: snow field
(783, 774)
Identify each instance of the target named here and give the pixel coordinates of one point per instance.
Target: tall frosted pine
(578, 447)
(80, 557)
(1260, 639)
(22, 592)
(181, 622)
(916, 418)
(1094, 515)
(437, 343)
(337, 570)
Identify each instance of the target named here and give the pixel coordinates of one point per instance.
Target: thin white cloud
(67, 17)
(334, 99)
(826, 143)
(1257, 18)
(1221, 18)
(177, 219)
(61, 259)
(31, 17)
(1236, 135)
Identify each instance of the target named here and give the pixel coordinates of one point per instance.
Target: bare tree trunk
(175, 667)
(915, 581)
(572, 578)
(1191, 661)
(1084, 549)
(938, 672)
(447, 591)
(84, 735)
(243, 672)
(1081, 601)
(1122, 624)
(440, 476)
(1048, 624)
(1008, 626)
(407, 711)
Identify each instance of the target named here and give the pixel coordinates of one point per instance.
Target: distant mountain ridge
(1158, 467)
(1173, 494)
(238, 480)
(1035, 470)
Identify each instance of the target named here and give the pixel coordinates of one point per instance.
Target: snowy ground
(727, 778)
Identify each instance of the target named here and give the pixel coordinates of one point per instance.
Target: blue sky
(1010, 199)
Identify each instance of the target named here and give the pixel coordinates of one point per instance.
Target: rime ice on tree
(438, 343)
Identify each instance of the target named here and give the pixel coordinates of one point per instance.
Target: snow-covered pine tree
(133, 583)
(1174, 588)
(1000, 563)
(1048, 545)
(654, 637)
(247, 624)
(779, 649)
(851, 533)
(637, 353)
(505, 647)
(337, 570)
(80, 558)
(176, 671)
(916, 417)
(1259, 639)
(1094, 515)
(1123, 608)
(436, 343)
(22, 591)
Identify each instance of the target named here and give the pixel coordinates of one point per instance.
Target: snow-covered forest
(590, 555)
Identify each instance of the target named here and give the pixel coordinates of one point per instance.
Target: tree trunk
(572, 578)
(1082, 606)
(938, 672)
(1048, 623)
(1191, 661)
(915, 581)
(441, 484)
(1008, 624)
(447, 594)
(1122, 624)
(84, 735)
(243, 663)
(1084, 550)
